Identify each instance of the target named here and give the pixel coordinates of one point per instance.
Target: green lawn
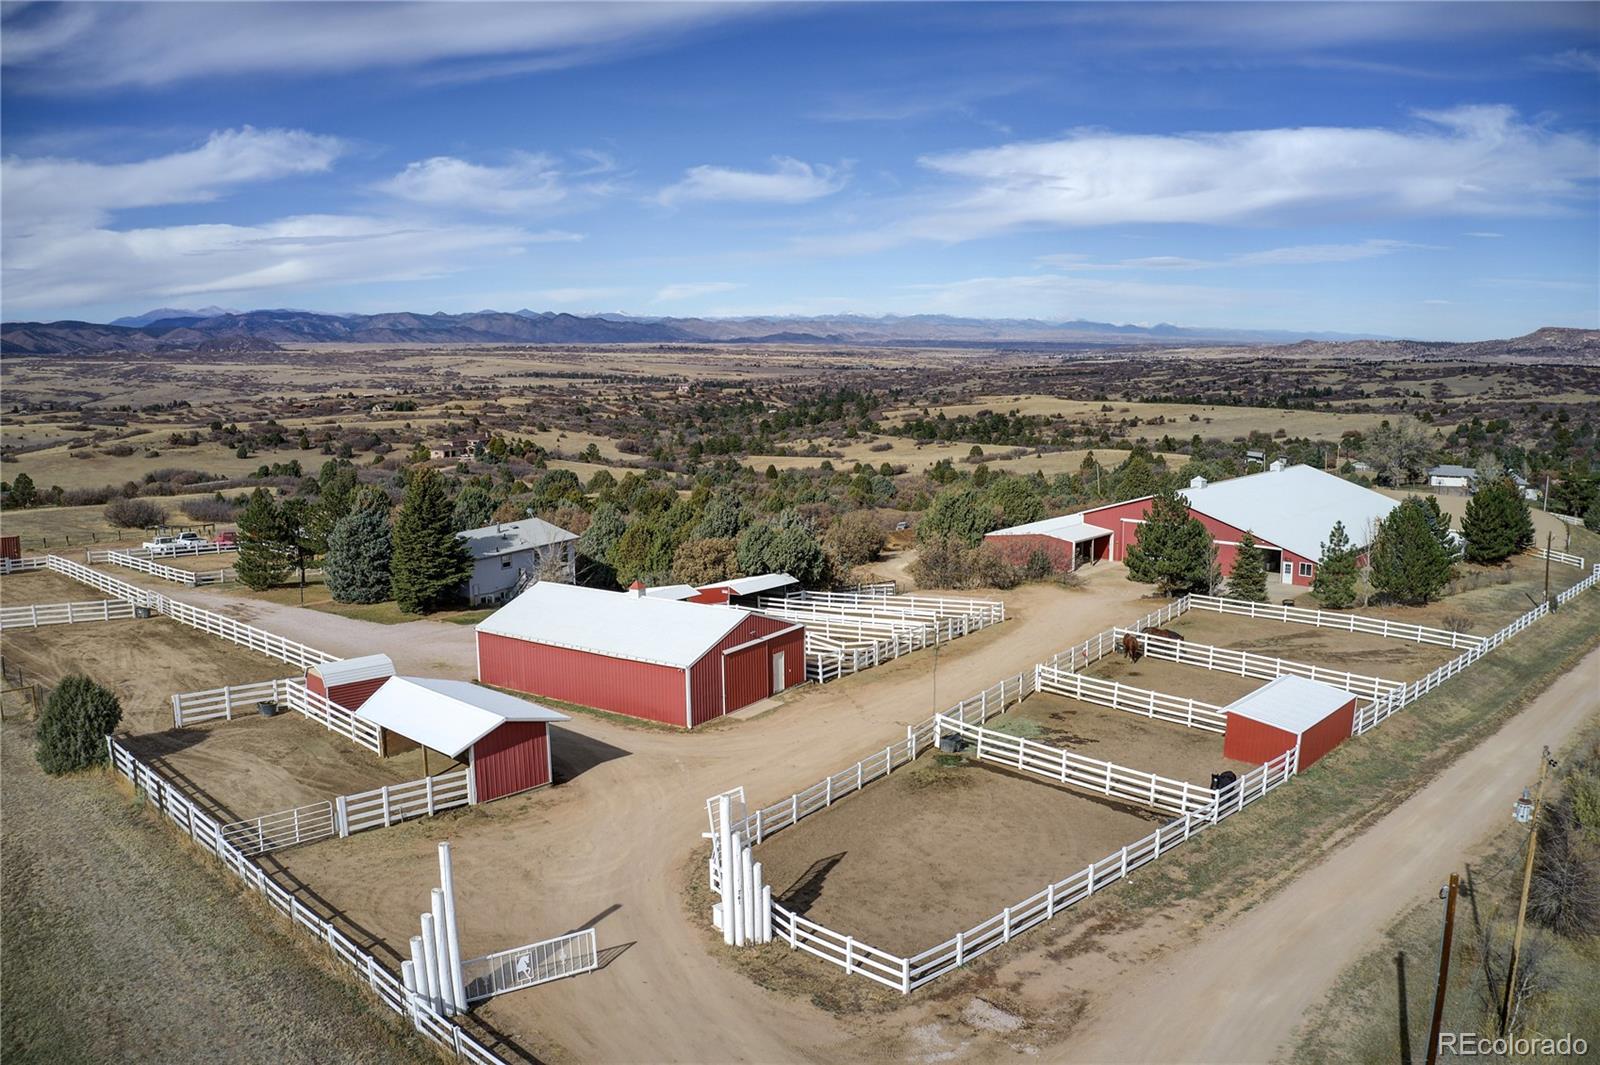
(316, 597)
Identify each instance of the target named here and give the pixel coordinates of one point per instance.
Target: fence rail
(393, 803)
(95, 579)
(170, 801)
(1248, 664)
(190, 577)
(1553, 555)
(267, 643)
(22, 565)
(1323, 619)
(529, 966)
(191, 708)
(16, 617)
(1078, 771)
(175, 551)
(1142, 701)
(1096, 647)
(287, 828)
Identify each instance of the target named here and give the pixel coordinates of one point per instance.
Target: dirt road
(1240, 993)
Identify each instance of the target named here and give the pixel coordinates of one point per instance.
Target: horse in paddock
(1168, 633)
(1132, 646)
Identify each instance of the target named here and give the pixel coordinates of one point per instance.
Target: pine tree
(429, 564)
(1174, 551)
(1247, 579)
(74, 724)
(1497, 524)
(1409, 564)
(264, 559)
(23, 493)
(1337, 571)
(359, 551)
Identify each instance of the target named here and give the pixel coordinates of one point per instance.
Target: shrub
(74, 724)
(134, 513)
(208, 509)
(856, 538)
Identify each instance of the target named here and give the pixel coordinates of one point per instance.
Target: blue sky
(1427, 170)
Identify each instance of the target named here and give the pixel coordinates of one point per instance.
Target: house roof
(641, 628)
(1293, 704)
(509, 537)
(1450, 470)
(1294, 507)
(1069, 527)
(447, 715)
(353, 670)
(672, 591)
(764, 582)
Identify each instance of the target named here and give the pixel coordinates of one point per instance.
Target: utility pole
(1525, 812)
(1449, 894)
(1547, 490)
(1549, 538)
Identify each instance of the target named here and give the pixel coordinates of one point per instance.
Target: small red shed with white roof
(1288, 712)
(349, 682)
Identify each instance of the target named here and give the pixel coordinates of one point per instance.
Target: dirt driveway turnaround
(1238, 995)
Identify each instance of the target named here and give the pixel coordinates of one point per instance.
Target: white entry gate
(536, 963)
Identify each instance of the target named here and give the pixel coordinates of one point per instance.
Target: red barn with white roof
(1288, 712)
(677, 663)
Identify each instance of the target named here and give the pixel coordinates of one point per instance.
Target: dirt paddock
(1188, 682)
(933, 850)
(1160, 747)
(1353, 652)
(34, 587)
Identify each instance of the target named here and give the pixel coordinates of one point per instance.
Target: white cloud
(78, 47)
(1582, 60)
(789, 181)
(98, 266)
(1482, 235)
(55, 191)
(1470, 161)
(690, 289)
(528, 183)
(1292, 255)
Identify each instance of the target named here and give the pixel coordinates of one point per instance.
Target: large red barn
(677, 663)
(1290, 510)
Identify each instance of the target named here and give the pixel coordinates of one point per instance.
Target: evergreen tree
(359, 552)
(723, 518)
(429, 564)
(1439, 525)
(1409, 565)
(23, 493)
(961, 511)
(1014, 501)
(74, 724)
(1247, 579)
(1174, 551)
(1136, 477)
(474, 508)
(264, 559)
(596, 545)
(1497, 524)
(1335, 582)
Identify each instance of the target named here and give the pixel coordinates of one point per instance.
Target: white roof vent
(1197, 482)
(1277, 465)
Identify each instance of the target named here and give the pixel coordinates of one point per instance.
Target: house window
(505, 563)
(1305, 569)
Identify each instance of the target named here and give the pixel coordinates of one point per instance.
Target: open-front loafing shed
(1289, 712)
(349, 682)
(661, 660)
(504, 740)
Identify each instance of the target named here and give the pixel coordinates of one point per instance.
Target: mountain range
(214, 328)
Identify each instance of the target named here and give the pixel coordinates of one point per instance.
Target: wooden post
(1545, 762)
(1444, 969)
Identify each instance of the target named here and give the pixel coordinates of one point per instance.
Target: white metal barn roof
(447, 715)
(751, 585)
(638, 627)
(1069, 527)
(672, 591)
(1293, 704)
(1294, 508)
(354, 670)
(511, 536)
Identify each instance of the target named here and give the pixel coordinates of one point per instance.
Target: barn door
(777, 672)
(1288, 573)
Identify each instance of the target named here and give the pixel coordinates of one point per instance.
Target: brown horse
(1168, 633)
(1132, 647)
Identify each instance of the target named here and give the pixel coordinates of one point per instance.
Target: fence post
(794, 808)
(758, 824)
(427, 791)
(849, 950)
(341, 816)
(384, 791)
(911, 742)
(1050, 900)
(961, 952)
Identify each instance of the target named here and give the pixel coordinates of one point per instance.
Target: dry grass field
(1180, 419)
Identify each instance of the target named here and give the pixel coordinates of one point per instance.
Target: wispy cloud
(528, 183)
(903, 103)
(789, 181)
(1582, 60)
(1292, 255)
(690, 289)
(82, 47)
(1483, 234)
(1482, 160)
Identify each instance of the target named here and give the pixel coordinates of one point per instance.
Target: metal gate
(536, 963)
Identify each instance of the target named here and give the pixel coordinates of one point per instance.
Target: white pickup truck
(174, 545)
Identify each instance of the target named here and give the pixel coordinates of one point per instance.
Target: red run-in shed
(503, 739)
(350, 681)
(1289, 712)
(677, 663)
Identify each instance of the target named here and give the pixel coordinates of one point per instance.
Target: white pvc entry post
(430, 964)
(458, 987)
(441, 954)
(418, 985)
(724, 868)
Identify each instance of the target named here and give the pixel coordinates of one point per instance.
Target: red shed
(503, 739)
(1289, 712)
(349, 682)
(10, 546)
(678, 663)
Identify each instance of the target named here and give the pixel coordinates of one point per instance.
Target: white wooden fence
(260, 640)
(192, 708)
(170, 800)
(347, 814)
(529, 966)
(167, 573)
(175, 551)
(95, 579)
(1324, 619)
(1553, 555)
(16, 617)
(1096, 647)
(22, 565)
(1247, 664)
(1143, 701)
(848, 631)
(1077, 771)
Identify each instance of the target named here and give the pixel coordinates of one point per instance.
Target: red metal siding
(711, 595)
(748, 671)
(314, 685)
(705, 676)
(352, 695)
(1327, 734)
(1124, 520)
(1254, 742)
(512, 758)
(11, 546)
(638, 689)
